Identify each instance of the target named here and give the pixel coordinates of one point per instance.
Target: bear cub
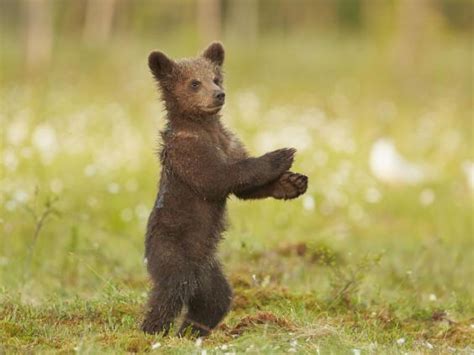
(202, 165)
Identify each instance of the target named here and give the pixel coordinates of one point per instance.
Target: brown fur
(202, 164)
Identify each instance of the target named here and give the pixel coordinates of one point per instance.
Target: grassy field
(355, 265)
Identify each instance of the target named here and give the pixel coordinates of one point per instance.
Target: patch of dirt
(240, 280)
(321, 254)
(299, 249)
(257, 319)
(440, 316)
(458, 334)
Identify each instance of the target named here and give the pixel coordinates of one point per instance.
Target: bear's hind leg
(164, 306)
(208, 306)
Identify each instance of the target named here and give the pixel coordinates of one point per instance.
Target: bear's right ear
(215, 53)
(160, 65)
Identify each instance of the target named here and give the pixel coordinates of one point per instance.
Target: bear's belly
(191, 224)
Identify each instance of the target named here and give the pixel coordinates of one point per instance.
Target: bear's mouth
(213, 109)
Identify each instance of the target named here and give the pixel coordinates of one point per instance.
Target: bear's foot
(193, 329)
(151, 326)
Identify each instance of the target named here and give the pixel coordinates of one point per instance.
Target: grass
(355, 264)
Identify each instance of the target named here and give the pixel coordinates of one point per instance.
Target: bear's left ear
(215, 53)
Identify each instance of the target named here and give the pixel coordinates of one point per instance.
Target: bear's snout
(219, 97)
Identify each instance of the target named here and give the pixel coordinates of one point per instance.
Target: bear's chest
(222, 145)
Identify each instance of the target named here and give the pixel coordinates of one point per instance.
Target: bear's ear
(215, 53)
(160, 65)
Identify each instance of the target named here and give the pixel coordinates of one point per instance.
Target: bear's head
(191, 87)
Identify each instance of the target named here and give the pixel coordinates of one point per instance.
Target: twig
(39, 224)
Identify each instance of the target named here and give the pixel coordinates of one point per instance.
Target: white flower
(356, 351)
(401, 341)
(10, 161)
(468, 168)
(427, 197)
(198, 343)
(44, 138)
(255, 279)
(113, 188)
(142, 211)
(56, 185)
(90, 170)
(21, 196)
(389, 166)
(155, 346)
(250, 348)
(17, 132)
(432, 297)
(308, 203)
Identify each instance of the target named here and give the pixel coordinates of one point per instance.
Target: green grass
(370, 267)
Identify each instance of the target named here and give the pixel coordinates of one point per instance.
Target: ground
(357, 264)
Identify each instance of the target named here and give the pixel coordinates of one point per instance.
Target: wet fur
(202, 165)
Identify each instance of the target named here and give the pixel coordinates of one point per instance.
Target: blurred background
(375, 95)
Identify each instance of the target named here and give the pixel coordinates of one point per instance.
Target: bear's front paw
(152, 327)
(290, 185)
(281, 159)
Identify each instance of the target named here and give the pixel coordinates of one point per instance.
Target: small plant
(345, 280)
(40, 214)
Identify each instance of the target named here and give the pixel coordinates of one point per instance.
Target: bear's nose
(220, 96)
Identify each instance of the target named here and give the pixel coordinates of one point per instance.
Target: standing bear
(202, 165)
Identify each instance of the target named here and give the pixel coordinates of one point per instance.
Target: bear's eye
(195, 84)
(217, 81)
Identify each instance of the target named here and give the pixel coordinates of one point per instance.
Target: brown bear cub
(202, 164)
